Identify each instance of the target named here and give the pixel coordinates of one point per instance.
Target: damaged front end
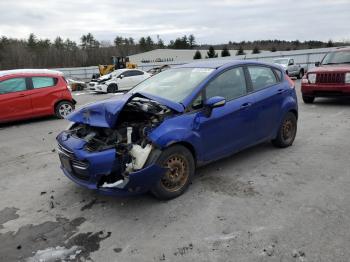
(115, 159)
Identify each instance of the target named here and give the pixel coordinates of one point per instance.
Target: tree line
(34, 52)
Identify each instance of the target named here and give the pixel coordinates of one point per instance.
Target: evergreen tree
(256, 50)
(211, 53)
(191, 41)
(225, 52)
(197, 55)
(240, 51)
(149, 43)
(32, 41)
(142, 44)
(330, 44)
(58, 43)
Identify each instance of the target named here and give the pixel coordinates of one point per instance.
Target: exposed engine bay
(129, 136)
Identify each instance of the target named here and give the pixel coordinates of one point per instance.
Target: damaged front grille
(75, 167)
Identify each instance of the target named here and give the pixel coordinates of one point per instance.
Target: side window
(137, 73)
(126, 73)
(279, 75)
(230, 85)
(261, 77)
(41, 82)
(13, 85)
(291, 61)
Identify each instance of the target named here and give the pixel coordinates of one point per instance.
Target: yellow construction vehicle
(117, 63)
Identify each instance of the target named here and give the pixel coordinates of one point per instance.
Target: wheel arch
(295, 112)
(187, 145)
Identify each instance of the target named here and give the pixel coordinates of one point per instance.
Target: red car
(330, 78)
(33, 93)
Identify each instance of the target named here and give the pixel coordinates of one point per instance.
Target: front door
(14, 99)
(229, 128)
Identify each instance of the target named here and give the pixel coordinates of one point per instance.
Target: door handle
(246, 105)
(281, 91)
(21, 95)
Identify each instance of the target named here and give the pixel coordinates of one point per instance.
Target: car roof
(221, 63)
(29, 72)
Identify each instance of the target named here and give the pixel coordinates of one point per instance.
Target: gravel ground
(263, 204)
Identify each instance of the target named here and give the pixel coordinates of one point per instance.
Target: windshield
(173, 84)
(339, 57)
(281, 61)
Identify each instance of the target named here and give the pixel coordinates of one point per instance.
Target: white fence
(307, 58)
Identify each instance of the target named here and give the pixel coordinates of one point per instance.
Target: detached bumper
(90, 169)
(326, 90)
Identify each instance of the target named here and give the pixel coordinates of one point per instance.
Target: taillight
(290, 81)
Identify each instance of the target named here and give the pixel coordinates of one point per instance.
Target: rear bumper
(92, 169)
(326, 90)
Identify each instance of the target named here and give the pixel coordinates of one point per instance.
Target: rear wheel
(180, 164)
(287, 131)
(63, 109)
(308, 99)
(112, 88)
(301, 74)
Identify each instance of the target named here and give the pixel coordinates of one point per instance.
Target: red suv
(330, 78)
(33, 93)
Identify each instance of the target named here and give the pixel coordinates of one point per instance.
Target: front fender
(177, 130)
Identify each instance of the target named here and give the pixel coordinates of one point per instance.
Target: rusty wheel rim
(177, 173)
(288, 130)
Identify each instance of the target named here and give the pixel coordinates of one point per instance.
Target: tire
(308, 99)
(175, 182)
(301, 74)
(63, 109)
(286, 132)
(112, 88)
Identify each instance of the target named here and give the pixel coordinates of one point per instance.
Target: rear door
(228, 128)
(269, 92)
(14, 99)
(43, 93)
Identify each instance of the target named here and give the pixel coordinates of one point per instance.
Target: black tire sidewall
(308, 99)
(158, 190)
(112, 88)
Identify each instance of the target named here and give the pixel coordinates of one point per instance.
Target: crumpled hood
(105, 113)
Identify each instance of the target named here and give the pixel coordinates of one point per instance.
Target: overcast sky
(210, 21)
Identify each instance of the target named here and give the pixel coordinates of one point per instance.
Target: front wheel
(308, 99)
(112, 88)
(301, 74)
(286, 132)
(63, 109)
(180, 164)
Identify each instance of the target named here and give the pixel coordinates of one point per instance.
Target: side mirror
(317, 64)
(216, 101)
(121, 76)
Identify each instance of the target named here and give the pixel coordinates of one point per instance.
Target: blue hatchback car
(153, 137)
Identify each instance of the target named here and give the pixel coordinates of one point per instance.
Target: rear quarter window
(261, 77)
(279, 74)
(42, 82)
